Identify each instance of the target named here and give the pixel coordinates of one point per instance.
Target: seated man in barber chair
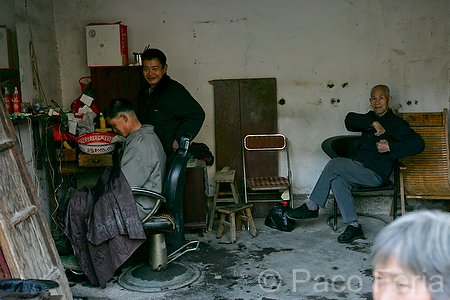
(103, 222)
(142, 159)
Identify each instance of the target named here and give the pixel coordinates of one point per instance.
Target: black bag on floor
(277, 218)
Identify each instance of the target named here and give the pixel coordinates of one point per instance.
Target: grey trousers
(343, 176)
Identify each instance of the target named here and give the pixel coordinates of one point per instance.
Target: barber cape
(103, 225)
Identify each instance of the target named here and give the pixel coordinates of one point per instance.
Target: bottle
(16, 101)
(8, 101)
(37, 103)
(102, 121)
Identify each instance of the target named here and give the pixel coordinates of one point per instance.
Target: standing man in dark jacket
(385, 137)
(166, 104)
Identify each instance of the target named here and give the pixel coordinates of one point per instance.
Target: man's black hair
(117, 106)
(152, 53)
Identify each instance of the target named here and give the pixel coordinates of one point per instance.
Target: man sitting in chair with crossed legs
(385, 137)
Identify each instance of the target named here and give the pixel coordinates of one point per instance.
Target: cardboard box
(6, 55)
(107, 45)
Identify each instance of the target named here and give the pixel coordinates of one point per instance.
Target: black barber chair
(170, 224)
(345, 146)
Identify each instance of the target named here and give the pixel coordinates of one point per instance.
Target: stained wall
(325, 55)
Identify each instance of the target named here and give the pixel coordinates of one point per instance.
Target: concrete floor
(307, 263)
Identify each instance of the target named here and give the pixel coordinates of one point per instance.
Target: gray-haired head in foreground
(420, 243)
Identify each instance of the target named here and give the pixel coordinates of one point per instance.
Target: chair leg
(251, 224)
(233, 228)
(393, 209)
(212, 211)
(235, 193)
(394, 205)
(402, 195)
(221, 226)
(335, 208)
(239, 217)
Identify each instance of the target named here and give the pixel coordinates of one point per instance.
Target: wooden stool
(224, 176)
(235, 221)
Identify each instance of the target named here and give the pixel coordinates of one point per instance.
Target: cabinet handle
(95, 160)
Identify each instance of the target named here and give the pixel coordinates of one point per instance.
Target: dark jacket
(172, 110)
(403, 141)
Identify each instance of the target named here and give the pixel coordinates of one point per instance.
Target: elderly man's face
(379, 101)
(391, 282)
(120, 125)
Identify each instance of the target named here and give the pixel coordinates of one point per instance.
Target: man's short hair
(152, 53)
(117, 106)
(386, 89)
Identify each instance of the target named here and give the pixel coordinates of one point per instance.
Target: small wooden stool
(224, 176)
(235, 221)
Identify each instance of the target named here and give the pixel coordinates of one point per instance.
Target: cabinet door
(25, 239)
(194, 199)
(114, 82)
(244, 106)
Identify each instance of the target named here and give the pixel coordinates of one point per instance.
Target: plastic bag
(13, 289)
(86, 125)
(277, 218)
(86, 88)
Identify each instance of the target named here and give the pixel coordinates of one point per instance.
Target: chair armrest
(326, 147)
(145, 192)
(340, 146)
(160, 199)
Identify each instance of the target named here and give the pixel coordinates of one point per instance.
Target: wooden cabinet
(95, 160)
(86, 168)
(194, 199)
(114, 82)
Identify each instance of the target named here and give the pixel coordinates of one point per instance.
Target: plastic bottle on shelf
(16, 101)
(37, 103)
(8, 101)
(102, 121)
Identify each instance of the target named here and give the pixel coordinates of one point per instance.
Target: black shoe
(301, 213)
(350, 234)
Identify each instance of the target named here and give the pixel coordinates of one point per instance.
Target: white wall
(32, 26)
(306, 45)
(35, 27)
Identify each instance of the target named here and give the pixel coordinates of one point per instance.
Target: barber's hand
(383, 146)
(175, 145)
(379, 129)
